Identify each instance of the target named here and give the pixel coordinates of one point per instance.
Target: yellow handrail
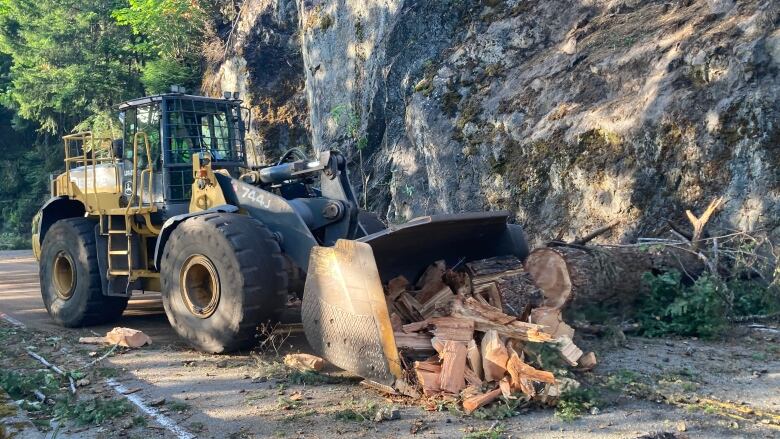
(135, 169)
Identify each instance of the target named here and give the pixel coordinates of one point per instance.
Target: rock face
(571, 115)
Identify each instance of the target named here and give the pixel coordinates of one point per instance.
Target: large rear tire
(71, 285)
(222, 274)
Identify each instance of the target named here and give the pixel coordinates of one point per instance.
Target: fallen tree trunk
(603, 275)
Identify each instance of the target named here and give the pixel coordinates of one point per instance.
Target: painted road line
(11, 320)
(160, 418)
(151, 411)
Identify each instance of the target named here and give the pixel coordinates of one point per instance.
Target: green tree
(70, 59)
(170, 35)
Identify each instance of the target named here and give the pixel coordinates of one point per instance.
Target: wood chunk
(474, 358)
(453, 328)
(128, 337)
(514, 329)
(427, 366)
(396, 323)
(439, 300)
(433, 274)
(552, 322)
(569, 351)
(453, 367)
(494, 356)
(438, 345)
(414, 342)
(489, 294)
(304, 362)
(458, 282)
(488, 312)
(518, 294)
(415, 326)
(475, 402)
(472, 378)
(506, 388)
(587, 361)
(396, 286)
(429, 381)
(518, 369)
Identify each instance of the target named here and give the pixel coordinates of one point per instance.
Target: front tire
(71, 285)
(222, 274)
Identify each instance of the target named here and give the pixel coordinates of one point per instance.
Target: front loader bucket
(345, 315)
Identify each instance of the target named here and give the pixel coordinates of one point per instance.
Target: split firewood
(506, 388)
(410, 306)
(474, 357)
(453, 367)
(453, 328)
(488, 294)
(494, 356)
(552, 322)
(304, 362)
(127, 337)
(396, 322)
(438, 345)
(569, 351)
(487, 318)
(428, 376)
(396, 286)
(473, 403)
(519, 370)
(415, 326)
(438, 300)
(433, 274)
(472, 378)
(413, 342)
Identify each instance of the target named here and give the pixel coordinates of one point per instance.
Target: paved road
(20, 297)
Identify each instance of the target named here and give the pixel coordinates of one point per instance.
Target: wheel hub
(200, 286)
(64, 275)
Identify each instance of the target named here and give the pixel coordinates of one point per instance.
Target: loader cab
(177, 127)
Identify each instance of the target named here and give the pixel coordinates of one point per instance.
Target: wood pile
(463, 332)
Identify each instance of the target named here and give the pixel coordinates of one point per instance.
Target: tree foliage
(70, 58)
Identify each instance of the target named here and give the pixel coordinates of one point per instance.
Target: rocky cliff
(570, 114)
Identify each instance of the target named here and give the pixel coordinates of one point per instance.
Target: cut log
(304, 362)
(477, 401)
(607, 275)
(494, 356)
(453, 328)
(453, 367)
(410, 306)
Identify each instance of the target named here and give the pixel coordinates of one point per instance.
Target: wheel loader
(180, 205)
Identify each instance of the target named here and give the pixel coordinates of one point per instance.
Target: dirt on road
(686, 387)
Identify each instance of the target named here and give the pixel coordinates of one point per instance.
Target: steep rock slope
(570, 114)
